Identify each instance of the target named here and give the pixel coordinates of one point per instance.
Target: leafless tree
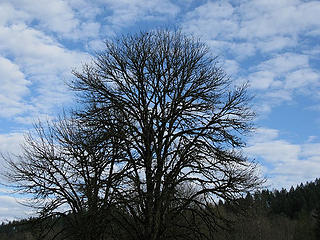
(184, 124)
(69, 170)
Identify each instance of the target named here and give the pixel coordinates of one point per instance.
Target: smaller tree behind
(68, 168)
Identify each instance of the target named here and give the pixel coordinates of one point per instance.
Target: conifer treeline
(277, 214)
(304, 197)
(263, 215)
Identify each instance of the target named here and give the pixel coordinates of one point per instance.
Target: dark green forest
(263, 215)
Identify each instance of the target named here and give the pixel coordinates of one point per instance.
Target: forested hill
(277, 214)
(304, 197)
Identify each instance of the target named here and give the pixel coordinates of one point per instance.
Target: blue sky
(275, 44)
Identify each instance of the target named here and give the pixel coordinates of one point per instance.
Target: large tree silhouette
(184, 124)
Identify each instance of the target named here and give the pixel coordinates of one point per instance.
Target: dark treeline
(293, 214)
(264, 215)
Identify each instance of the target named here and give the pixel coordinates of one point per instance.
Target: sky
(273, 44)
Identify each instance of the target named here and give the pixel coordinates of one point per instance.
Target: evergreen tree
(316, 215)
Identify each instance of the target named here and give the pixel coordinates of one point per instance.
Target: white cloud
(96, 45)
(276, 43)
(54, 15)
(13, 86)
(276, 151)
(277, 97)
(269, 25)
(88, 10)
(243, 50)
(64, 18)
(39, 68)
(231, 67)
(10, 209)
(311, 149)
(285, 17)
(285, 163)
(272, 34)
(10, 203)
(282, 76)
(32, 48)
(31, 34)
(213, 20)
(264, 135)
(11, 74)
(89, 30)
(261, 79)
(284, 63)
(301, 78)
(10, 15)
(11, 142)
(127, 12)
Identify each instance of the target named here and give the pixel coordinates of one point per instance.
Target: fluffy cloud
(261, 79)
(269, 34)
(213, 20)
(265, 26)
(285, 163)
(231, 67)
(37, 71)
(11, 142)
(282, 71)
(13, 86)
(36, 51)
(282, 76)
(276, 43)
(10, 209)
(269, 18)
(64, 18)
(56, 16)
(127, 12)
(284, 63)
(301, 78)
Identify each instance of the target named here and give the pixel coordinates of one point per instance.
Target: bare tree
(69, 170)
(184, 124)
